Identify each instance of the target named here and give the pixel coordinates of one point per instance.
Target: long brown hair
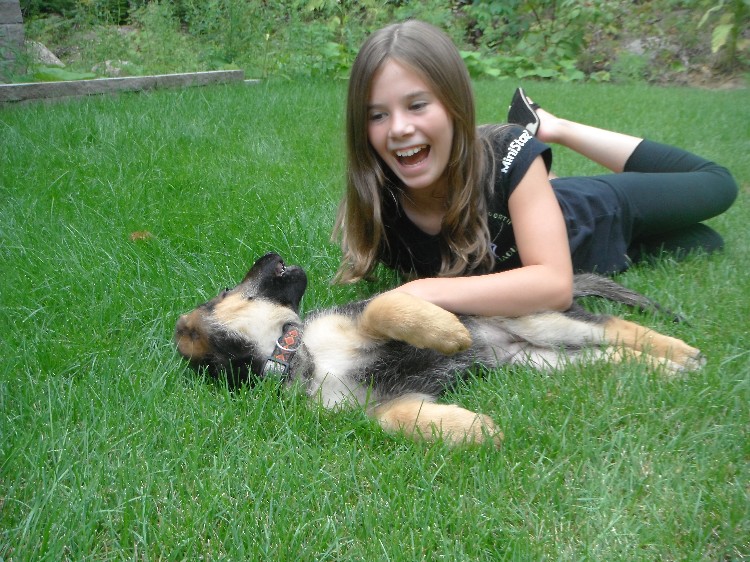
(359, 222)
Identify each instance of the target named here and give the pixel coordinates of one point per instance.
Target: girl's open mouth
(413, 155)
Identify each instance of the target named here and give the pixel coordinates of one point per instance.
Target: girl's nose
(401, 126)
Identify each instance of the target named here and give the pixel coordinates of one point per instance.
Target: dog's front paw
(402, 317)
(450, 339)
(440, 330)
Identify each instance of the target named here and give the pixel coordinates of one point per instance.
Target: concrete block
(46, 90)
(10, 11)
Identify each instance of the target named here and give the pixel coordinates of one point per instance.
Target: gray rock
(42, 55)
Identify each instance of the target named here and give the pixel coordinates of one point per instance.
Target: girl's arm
(545, 280)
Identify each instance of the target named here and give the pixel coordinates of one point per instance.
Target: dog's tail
(591, 285)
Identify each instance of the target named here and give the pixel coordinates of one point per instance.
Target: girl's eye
(418, 105)
(377, 116)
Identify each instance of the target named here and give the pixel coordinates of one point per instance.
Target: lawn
(119, 213)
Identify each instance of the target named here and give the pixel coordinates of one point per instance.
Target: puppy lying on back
(395, 354)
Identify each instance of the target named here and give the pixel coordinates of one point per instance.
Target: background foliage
(601, 40)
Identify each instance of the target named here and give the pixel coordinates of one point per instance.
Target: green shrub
(563, 40)
(32, 8)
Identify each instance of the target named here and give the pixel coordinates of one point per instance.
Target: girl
(472, 214)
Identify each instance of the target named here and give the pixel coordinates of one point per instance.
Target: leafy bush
(547, 39)
(730, 18)
(32, 8)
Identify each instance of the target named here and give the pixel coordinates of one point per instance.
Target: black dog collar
(286, 346)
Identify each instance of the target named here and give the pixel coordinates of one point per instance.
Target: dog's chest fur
(335, 352)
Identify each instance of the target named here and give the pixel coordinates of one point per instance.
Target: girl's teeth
(409, 152)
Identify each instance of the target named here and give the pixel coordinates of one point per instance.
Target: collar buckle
(278, 362)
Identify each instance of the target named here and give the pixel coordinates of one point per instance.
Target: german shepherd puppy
(394, 354)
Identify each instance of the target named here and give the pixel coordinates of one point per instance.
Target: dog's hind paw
(692, 363)
(682, 359)
(423, 420)
(678, 367)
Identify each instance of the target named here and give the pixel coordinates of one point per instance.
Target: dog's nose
(190, 340)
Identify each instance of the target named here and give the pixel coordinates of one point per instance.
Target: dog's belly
(495, 346)
(543, 341)
(337, 350)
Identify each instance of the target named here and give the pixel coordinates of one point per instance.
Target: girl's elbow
(563, 295)
(564, 303)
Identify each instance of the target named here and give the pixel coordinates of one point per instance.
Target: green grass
(111, 449)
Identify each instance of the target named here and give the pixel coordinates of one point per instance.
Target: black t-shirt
(598, 221)
(596, 213)
(414, 252)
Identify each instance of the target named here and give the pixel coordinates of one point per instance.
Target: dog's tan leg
(403, 317)
(632, 336)
(622, 354)
(421, 419)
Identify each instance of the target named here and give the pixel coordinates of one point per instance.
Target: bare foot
(549, 125)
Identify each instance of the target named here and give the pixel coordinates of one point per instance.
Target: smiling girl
(471, 215)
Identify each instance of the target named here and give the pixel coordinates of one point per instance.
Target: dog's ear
(191, 338)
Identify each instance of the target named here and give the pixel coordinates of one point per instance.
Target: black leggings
(669, 191)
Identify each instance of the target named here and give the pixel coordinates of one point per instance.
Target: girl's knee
(727, 188)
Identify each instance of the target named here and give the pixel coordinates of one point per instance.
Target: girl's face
(409, 128)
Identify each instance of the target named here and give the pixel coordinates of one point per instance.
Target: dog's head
(237, 330)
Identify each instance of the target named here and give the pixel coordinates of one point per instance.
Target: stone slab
(10, 11)
(11, 40)
(11, 32)
(47, 90)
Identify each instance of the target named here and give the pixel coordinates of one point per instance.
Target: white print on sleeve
(514, 149)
